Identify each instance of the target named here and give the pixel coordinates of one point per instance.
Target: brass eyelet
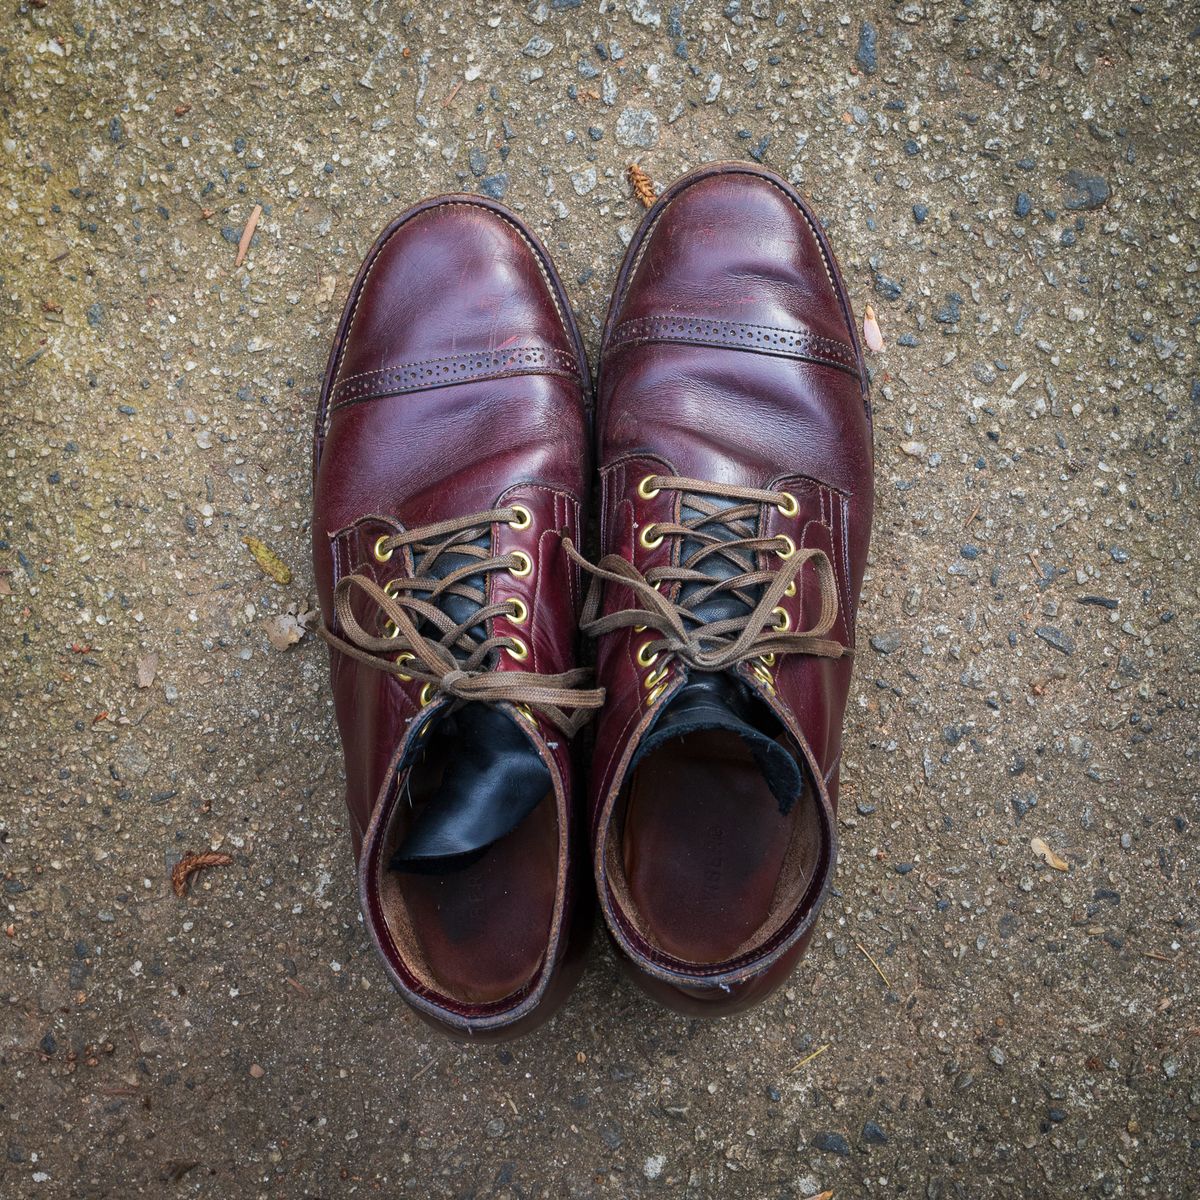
(401, 658)
(789, 547)
(784, 622)
(526, 566)
(767, 659)
(524, 518)
(655, 677)
(520, 611)
(519, 651)
(426, 695)
(390, 629)
(527, 713)
(379, 554)
(391, 588)
(645, 660)
(647, 539)
(787, 504)
(645, 492)
(762, 674)
(790, 590)
(655, 694)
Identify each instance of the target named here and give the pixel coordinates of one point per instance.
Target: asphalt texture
(1001, 996)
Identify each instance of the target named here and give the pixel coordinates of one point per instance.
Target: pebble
(873, 1135)
(637, 127)
(652, 1168)
(1024, 205)
(920, 212)
(495, 185)
(477, 161)
(1053, 636)
(885, 643)
(889, 289)
(832, 1143)
(537, 47)
(1085, 191)
(868, 39)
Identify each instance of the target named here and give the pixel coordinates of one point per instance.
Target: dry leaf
(270, 562)
(5, 586)
(643, 189)
(247, 234)
(1047, 855)
(189, 864)
(871, 334)
(823, 1195)
(147, 669)
(283, 630)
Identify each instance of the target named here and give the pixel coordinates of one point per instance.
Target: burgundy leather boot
(736, 471)
(451, 455)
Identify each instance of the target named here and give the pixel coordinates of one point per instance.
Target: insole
(482, 929)
(704, 844)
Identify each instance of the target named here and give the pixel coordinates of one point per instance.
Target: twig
(878, 968)
(247, 234)
(189, 864)
(814, 1054)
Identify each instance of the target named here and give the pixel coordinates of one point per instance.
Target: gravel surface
(1001, 997)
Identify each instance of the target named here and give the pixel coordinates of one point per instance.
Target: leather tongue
(717, 701)
(492, 781)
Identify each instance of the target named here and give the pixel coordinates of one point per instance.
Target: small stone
(920, 212)
(951, 311)
(868, 41)
(1053, 636)
(889, 289)
(914, 449)
(583, 181)
(637, 127)
(832, 1143)
(537, 47)
(495, 1127)
(203, 439)
(873, 1135)
(997, 1056)
(886, 643)
(902, 868)
(495, 185)
(1024, 205)
(1085, 191)
(256, 1071)
(477, 161)
(652, 1168)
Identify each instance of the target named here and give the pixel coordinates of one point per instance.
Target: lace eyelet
(390, 629)
(655, 677)
(767, 659)
(789, 547)
(400, 659)
(520, 611)
(762, 675)
(427, 695)
(790, 590)
(647, 539)
(787, 504)
(526, 567)
(653, 696)
(645, 492)
(519, 651)
(643, 658)
(527, 713)
(524, 518)
(391, 588)
(378, 553)
(784, 622)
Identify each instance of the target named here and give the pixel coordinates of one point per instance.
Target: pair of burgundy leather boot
(453, 475)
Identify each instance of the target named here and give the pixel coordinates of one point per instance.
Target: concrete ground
(1001, 997)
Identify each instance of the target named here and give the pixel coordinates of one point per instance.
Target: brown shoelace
(716, 645)
(454, 663)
